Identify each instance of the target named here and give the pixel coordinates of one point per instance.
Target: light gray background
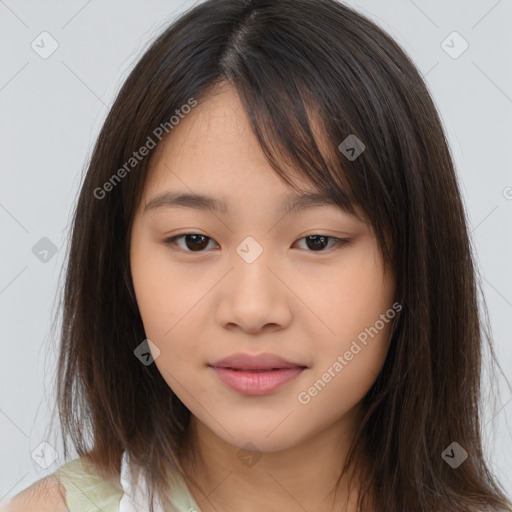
(52, 110)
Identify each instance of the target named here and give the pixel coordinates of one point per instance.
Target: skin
(45, 495)
(303, 304)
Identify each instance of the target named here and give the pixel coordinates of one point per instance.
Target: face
(307, 286)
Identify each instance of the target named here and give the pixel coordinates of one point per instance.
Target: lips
(256, 375)
(256, 363)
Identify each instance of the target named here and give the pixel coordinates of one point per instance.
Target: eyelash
(338, 242)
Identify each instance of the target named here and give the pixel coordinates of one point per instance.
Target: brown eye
(194, 242)
(317, 243)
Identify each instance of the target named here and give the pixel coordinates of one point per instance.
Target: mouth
(256, 382)
(256, 375)
(254, 370)
(256, 363)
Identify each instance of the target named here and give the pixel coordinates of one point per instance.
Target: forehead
(217, 129)
(212, 154)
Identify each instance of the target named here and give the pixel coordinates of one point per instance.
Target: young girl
(270, 300)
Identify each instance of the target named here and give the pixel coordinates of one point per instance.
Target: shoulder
(72, 487)
(45, 495)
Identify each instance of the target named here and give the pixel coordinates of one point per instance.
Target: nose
(254, 296)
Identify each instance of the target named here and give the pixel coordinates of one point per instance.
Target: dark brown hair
(296, 65)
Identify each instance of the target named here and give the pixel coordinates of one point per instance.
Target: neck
(306, 476)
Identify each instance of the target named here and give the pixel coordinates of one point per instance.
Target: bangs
(301, 122)
(295, 140)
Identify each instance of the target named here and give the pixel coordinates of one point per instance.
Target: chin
(262, 439)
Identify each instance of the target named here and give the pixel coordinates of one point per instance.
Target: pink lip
(256, 375)
(264, 361)
(259, 382)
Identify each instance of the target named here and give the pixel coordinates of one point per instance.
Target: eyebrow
(204, 202)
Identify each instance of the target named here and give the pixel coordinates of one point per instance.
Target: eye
(193, 241)
(196, 242)
(319, 242)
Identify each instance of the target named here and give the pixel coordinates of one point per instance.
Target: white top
(135, 494)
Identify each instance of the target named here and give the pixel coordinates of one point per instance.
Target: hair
(309, 73)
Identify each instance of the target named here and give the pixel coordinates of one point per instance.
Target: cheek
(346, 368)
(166, 300)
(357, 309)
(355, 296)
(162, 293)
(152, 284)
